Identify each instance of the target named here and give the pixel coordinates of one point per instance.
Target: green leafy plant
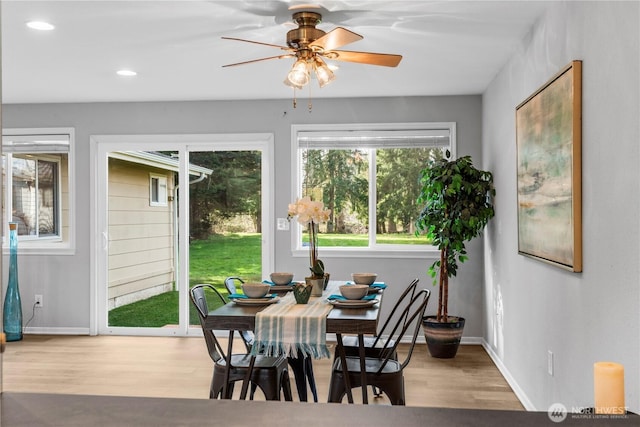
(458, 204)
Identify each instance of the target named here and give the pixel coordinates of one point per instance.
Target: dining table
(340, 321)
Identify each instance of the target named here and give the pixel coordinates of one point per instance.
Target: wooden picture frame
(549, 168)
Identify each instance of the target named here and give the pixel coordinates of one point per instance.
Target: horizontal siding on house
(127, 246)
(139, 217)
(139, 259)
(139, 288)
(141, 254)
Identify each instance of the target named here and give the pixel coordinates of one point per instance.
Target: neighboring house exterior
(142, 220)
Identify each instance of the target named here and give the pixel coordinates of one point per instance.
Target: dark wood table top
(29, 410)
(339, 320)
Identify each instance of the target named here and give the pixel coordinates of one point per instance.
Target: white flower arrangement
(311, 213)
(308, 211)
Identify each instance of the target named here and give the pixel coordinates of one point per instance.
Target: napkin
(244, 296)
(340, 297)
(268, 282)
(379, 285)
(238, 296)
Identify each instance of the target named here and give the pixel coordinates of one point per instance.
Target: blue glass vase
(12, 303)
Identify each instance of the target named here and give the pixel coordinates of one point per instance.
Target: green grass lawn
(213, 260)
(210, 261)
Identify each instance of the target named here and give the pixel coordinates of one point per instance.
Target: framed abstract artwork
(548, 138)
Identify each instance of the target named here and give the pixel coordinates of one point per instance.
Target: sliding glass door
(173, 214)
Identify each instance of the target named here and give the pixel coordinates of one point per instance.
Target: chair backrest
(230, 284)
(247, 336)
(409, 320)
(407, 295)
(199, 300)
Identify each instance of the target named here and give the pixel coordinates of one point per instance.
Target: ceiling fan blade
(264, 44)
(260, 59)
(384, 59)
(336, 38)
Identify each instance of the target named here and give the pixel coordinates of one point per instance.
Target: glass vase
(12, 317)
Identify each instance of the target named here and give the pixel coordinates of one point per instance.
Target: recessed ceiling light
(40, 25)
(126, 73)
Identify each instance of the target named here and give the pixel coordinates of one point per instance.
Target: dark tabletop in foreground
(27, 409)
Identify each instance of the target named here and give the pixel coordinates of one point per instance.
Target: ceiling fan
(309, 45)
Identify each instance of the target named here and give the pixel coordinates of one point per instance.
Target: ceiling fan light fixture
(299, 74)
(290, 84)
(323, 72)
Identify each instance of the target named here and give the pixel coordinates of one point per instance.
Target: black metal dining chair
(270, 374)
(373, 345)
(386, 371)
(302, 367)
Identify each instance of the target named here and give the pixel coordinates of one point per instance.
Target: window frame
(38, 157)
(373, 250)
(47, 245)
(163, 200)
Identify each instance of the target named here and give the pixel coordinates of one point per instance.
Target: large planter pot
(442, 338)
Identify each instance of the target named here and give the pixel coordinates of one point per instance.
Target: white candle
(608, 385)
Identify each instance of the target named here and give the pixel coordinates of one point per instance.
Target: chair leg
(216, 387)
(254, 386)
(311, 378)
(286, 387)
(394, 391)
(299, 374)
(336, 388)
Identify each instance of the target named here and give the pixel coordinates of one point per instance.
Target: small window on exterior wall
(158, 190)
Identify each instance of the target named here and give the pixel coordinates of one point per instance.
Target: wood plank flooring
(180, 367)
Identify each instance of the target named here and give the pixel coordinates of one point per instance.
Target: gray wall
(531, 307)
(65, 280)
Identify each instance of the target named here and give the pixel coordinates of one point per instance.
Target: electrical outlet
(39, 302)
(550, 362)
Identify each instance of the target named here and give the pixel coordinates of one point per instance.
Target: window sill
(370, 253)
(48, 249)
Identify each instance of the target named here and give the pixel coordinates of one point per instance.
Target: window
(36, 186)
(157, 190)
(368, 175)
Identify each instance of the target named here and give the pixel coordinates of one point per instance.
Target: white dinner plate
(281, 288)
(353, 303)
(255, 301)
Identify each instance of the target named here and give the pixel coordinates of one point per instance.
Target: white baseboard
(421, 340)
(56, 331)
(520, 394)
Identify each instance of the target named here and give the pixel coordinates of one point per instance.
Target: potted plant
(458, 203)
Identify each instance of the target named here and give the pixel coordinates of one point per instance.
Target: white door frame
(100, 145)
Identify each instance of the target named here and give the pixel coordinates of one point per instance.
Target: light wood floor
(181, 368)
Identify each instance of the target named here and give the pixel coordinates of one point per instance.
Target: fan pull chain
(309, 104)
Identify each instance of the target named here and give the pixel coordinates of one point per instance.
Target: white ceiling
(448, 48)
